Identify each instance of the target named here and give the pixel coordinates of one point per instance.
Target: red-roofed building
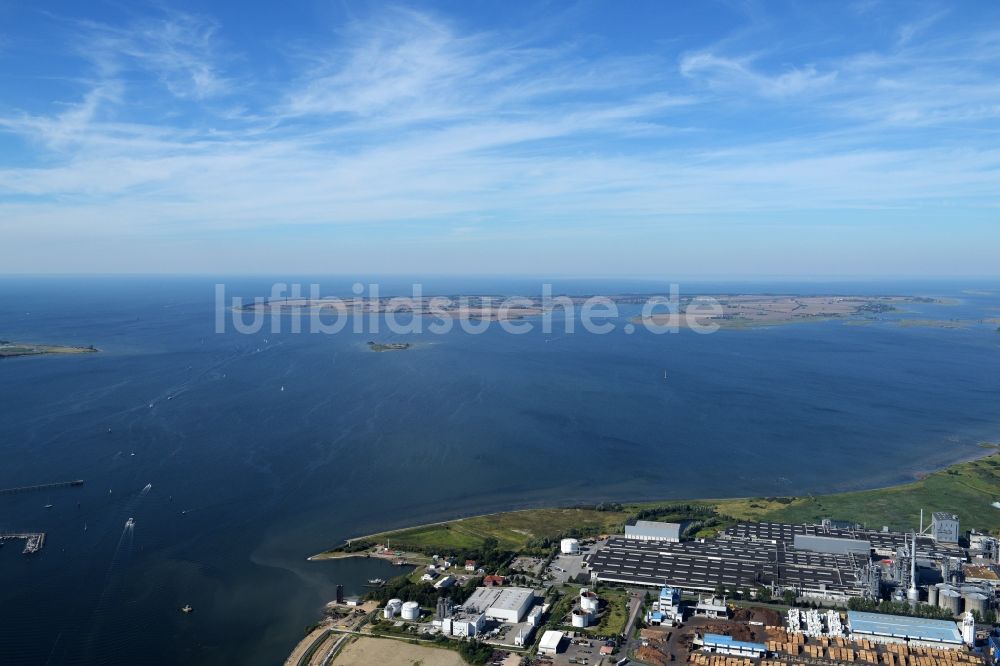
(470, 565)
(493, 581)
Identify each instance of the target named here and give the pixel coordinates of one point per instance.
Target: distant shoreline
(11, 349)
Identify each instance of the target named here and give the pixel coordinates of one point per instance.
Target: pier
(41, 486)
(33, 541)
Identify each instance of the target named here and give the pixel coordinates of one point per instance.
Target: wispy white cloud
(181, 50)
(739, 74)
(408, 120)
(910, 30)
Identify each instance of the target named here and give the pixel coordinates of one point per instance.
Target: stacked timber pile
(719, 660)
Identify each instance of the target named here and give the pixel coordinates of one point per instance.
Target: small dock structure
(33, 541)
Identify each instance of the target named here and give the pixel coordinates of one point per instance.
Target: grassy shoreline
(967, 488)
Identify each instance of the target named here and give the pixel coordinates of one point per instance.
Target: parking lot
(565, 568)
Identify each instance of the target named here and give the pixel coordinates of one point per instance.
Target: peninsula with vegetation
(10, 349)
(736, 311)
(576, 577)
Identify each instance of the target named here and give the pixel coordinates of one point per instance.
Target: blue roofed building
(667, 608)
(670, 596)
(940, 634)
(720, 644)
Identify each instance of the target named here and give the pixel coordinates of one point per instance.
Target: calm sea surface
(248, 479)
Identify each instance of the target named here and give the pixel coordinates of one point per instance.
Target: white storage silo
(950, 599)
(569, 546)
(588, 600)
(975, 602)
(411, 610)
(581, 618)
(392, 608)
(932, 595)
(974, 589)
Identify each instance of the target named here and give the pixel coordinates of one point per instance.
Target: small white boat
(187, 609)
(130, 523)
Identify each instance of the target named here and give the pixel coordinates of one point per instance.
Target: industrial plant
(823, 562)
(856, 595)
(936, 581)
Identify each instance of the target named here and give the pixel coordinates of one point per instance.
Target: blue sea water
(248, 479)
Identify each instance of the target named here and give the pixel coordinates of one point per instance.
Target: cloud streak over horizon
(165, 139)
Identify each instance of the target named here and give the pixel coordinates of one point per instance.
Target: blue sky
(666, 139)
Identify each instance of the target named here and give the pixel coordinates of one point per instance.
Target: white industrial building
(944, 527)
(505, 604)
(712, 607)
(651, 530)
(463, 624)
(569, 547)
(549, 644)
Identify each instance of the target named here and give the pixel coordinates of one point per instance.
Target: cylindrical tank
(950, 599)
(392, 608)
(569, 546)
(932, 595)
(581, 618)
(973, 589)
(975, 602)
(411, 610)
(588, 601)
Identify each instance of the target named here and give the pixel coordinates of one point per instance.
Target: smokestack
(913, 594)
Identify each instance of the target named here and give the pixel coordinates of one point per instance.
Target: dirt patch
(649, 655)
(367, 651)
(765, 616)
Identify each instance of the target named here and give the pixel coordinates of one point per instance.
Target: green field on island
(967, 489)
